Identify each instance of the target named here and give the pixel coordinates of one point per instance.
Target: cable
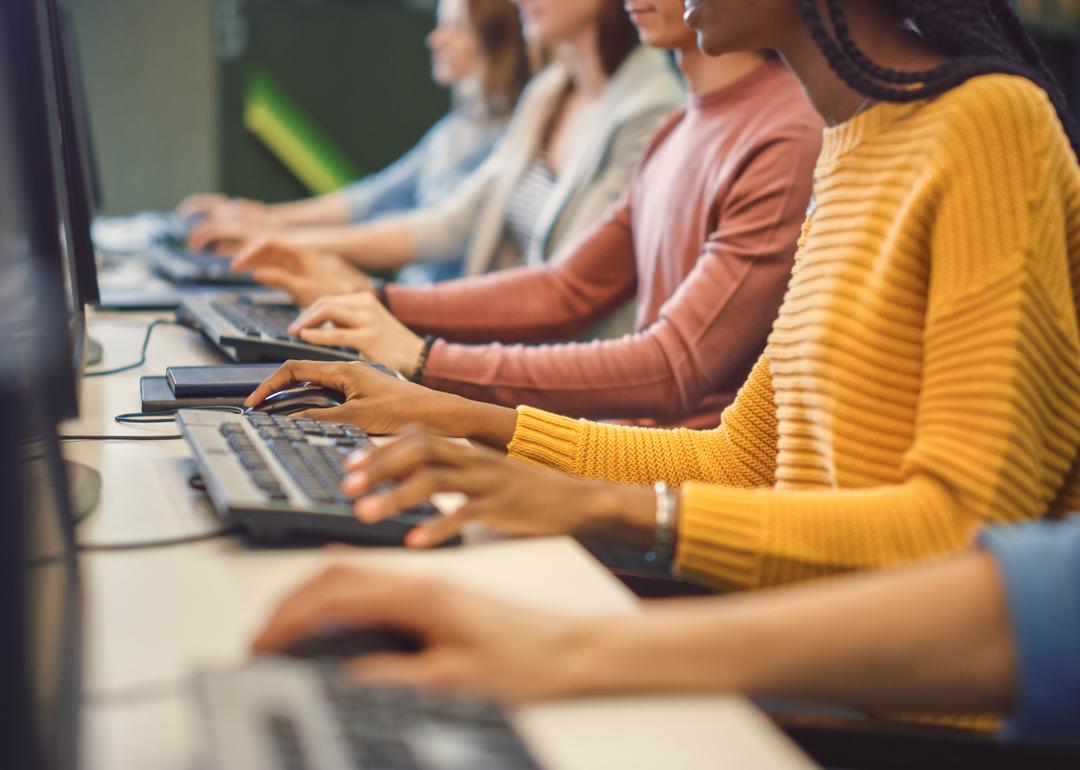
(147, 545)
(142, 352)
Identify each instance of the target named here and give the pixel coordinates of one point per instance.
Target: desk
(153, 617)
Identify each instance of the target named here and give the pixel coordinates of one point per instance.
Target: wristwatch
(667, 525)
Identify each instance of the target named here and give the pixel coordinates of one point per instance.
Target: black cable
(142, 352)
(147, 545)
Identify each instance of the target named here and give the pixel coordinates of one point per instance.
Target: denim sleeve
(394, 188)
(1040, 566)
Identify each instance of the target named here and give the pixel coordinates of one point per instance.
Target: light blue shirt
(1040, 565)
(425, 177)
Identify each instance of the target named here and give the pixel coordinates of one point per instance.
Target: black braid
(979, 36)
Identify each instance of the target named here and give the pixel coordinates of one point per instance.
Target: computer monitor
(75, 149)
(34, 169)
(40, 625)
(40, 608)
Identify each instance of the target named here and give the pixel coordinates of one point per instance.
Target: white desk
(152, 617)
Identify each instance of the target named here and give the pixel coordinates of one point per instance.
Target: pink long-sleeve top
(704, 239)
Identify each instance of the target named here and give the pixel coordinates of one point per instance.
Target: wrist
(412, 350)
(617, 512)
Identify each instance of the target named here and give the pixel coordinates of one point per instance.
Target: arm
(707, 335)
(539, 304)
(933, 638)
(431, 234)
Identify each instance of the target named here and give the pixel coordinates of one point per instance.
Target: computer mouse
(344, 643)
(299, 399)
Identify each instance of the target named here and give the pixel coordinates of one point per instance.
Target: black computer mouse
(346, 643)
(299, 399)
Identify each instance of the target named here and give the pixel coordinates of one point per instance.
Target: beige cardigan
(640, 93)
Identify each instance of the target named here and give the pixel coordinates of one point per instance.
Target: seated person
(704, 239)
(996, 630)
(576, 136)
(477, 51)
(920, 380)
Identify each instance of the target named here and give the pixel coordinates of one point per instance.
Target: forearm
(329, 209)
(377, 246)
(459, 417)
(935, 639)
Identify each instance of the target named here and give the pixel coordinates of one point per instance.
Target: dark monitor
(32, 169)
(40, 623)
(74, 151)
(39, 581)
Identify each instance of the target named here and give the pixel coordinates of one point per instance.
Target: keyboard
(388, 728)
(280, 477)
(252, 328)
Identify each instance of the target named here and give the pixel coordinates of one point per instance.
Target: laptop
(279, 478)
(301, 716)
(252, 328)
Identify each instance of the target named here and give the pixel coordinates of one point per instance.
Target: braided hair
(979, 37)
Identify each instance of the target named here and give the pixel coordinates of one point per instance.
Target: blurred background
(277, 99)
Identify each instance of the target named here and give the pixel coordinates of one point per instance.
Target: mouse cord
(142, 352)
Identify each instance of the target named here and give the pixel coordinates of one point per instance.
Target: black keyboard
(312, 453)
(255, 319)
(392, 728)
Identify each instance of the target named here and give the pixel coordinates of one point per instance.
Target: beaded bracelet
(418, 372)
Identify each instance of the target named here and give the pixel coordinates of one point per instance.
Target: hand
(225, 238)
(470, 641)
(510, 496)
(381, 404)
(360, 321)
(375, 401)
(201, 204)
(305, 274)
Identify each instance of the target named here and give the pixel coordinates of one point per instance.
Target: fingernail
(368, 509)
(354, 483)
(418, 538)
(357, 459)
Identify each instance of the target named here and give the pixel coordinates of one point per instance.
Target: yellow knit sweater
(923, 376)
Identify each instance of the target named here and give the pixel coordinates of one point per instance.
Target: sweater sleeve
(1040, 568)
(539, 304)
(708, 332)
(741, 452)
(998, 424)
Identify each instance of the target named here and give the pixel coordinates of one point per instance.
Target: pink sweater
(704, 238)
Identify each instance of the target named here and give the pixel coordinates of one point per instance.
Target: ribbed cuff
(720, 535)
(543, 438)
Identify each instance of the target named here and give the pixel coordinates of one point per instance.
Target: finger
(341, 413)
(331, 337)
(326, 310)
(279, 279)
(417, 488)
(438, 529)
(266, 250)
(406, 455)
(349, 596)
(291, 373)
(206, 233)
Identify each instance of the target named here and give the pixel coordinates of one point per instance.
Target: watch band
(667, 525)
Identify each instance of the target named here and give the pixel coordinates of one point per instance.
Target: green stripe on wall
(293, 137)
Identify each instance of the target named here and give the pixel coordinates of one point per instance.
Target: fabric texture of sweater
(427, 176)
(704, 238)
(922, 377)
(640, 93)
